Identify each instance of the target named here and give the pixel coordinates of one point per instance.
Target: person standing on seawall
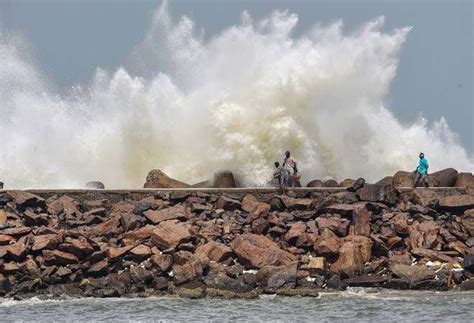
(289, 164)
(422, 171)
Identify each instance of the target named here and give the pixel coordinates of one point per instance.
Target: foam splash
(236, 101)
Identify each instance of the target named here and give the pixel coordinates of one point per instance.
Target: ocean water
(190, 105)
(347, 306)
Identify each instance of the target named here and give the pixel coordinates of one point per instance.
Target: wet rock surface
(197, 244)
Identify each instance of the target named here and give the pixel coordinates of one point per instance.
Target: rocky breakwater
(194, 244)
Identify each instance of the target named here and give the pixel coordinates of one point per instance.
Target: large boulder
(407, 179)
(24, 200)
(350, 262)
(328, 244)
(157, 179)
(95, 185)
(445, 178)
(169, 234)
(274, 277)
(223, 179)
(361, 220)
(346, 183)
(413, 274)
(315, 183)
(464, 180)
(330, 183)
(251, 205)
(468, 221)
(388, 180)
(215, 251)
(403, 179)
(379, 193)
(170, 213)
(423, 235)
(457, 202)
(258, 251)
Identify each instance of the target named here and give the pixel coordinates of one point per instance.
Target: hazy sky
(70, 38)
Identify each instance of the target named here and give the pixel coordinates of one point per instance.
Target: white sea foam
(234, 101)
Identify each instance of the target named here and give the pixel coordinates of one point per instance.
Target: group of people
(287, 174)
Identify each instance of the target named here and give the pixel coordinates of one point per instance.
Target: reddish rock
(64, 204)
(16, 231)
(315, 183)
(328, 245)
(169, 234)
(215, 251)
(33, 219)
(79, 247)
(464, 180)
(346, 183)
(379, 193)
(425, 197)
(337, 225)
(423, 235)
(363, 243)
(98, 268)
(404, 259)
(3, 217)
(114, 253)
(251, 205)
(223, 179)
(24, 200)
(431, 254)
(457, 202)
(315, 265)
(413, 273)
(297, 232)
(330, 183)
(141, 252)
(387, 180)
(46, 241)
(393, 241)
(259, 226)
(275, 277)
(400, 223)
(350, 261)
(157, 179)
(468, 221)
(361, 221)
(130, 221)
(292, 204)
(445, 178)
(17, 251)
(10, 268)
(5, 240)
(169, 213)
(188, 271)
(106, 228)
(55, 257)
(342, 209)
(162, 261)
(459, 247)
(259, 251)
(122, 207)
(140, 234)
(227, 203)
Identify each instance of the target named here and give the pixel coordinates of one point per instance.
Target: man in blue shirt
(422, 171)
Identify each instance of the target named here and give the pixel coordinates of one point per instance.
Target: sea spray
(237, 100)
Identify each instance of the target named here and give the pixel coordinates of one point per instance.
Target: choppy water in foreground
(352, 305)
